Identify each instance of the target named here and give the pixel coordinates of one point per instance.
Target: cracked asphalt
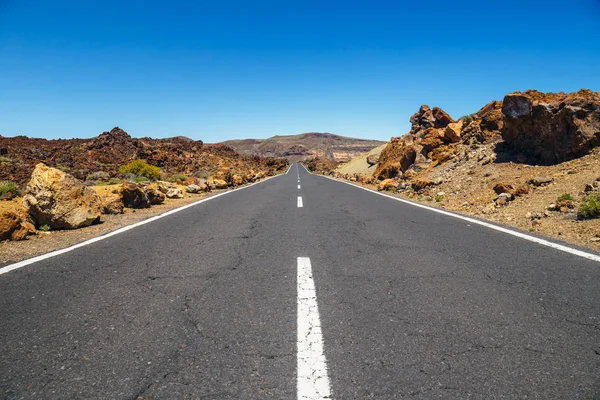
(202, 305)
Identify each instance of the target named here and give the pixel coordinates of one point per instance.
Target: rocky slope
(308, 145)
(107, 152)
(531, 161)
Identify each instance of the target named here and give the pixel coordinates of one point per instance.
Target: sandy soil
(467, 187)
(359, 164)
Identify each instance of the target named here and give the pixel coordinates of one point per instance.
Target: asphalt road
(213, 302)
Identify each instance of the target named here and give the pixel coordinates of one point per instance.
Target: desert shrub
(8, 186)
(44, 228)
(439, 198)
(202, 174)
(393, 189)
(177, 177)
(96, 176)
(590, 206)
(5, 161)
(114, 181)
(141, 168)
(564, 197)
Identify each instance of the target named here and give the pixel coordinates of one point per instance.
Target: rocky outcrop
(549, 128)
(59, 200)
(15, 225)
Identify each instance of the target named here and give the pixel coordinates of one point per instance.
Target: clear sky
(223, 69)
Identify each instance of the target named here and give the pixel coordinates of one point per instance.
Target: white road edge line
(29, 261)
(300, 202)
(312, 381)
(518, 234)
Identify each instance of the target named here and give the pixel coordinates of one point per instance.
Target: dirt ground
(465, 185)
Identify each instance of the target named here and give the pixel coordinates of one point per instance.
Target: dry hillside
(105, 153)
(530, 161)
(307, 145)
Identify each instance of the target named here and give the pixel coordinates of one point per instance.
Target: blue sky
(223, 69)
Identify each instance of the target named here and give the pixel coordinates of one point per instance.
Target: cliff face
(305, 146)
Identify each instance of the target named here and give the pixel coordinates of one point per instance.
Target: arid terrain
(307, 145)
(54, 193)
(531, 161)
(108, 151)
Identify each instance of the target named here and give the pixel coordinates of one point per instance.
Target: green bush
(565, 197)
(44, 228)
(141, 168)
(114, 181)
(590, 206)
(439, 198)
(8, 186)
(178, 177)
(5, 161)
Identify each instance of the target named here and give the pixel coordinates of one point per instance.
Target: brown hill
(108, 151)
(307, 145)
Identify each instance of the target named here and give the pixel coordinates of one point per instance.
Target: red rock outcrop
(549, 128)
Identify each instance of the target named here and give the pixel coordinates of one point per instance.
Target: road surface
(301, 287)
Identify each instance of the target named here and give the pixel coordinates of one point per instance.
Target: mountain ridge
(304, 146)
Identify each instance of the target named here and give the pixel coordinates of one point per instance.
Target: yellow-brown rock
(59, 200)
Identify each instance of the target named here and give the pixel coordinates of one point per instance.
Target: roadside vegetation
(141, 168)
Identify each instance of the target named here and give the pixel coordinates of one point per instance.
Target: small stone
(588, 188)
(541, 180)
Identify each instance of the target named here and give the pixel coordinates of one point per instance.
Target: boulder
(550, 128)
(193, 189)
(387, 184)
(421, 183)
(134, 196)
(15, 225)
(111, 205)
(220, 184)
(59, 200)
(164, 186)
(174, 193)
(154, 195)
(441, 118)
(372, 159)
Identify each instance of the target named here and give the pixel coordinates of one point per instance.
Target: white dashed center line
(299, 201)
(298, 186)
(313, 381)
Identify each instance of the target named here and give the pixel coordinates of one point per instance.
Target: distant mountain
(305, 146)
